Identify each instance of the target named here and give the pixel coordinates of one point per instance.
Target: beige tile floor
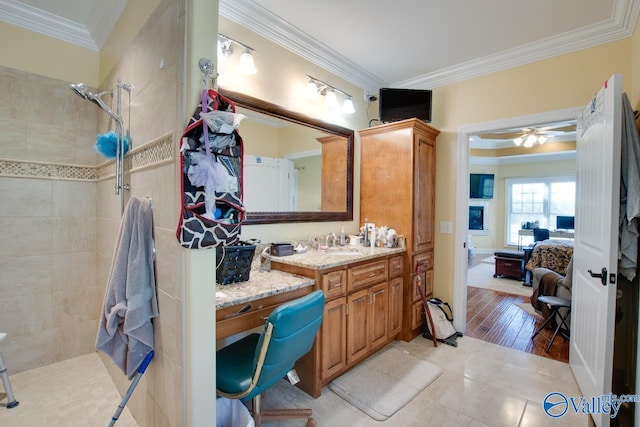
(483, 384)
(76, 392)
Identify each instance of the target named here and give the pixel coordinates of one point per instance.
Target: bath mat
(384, 383)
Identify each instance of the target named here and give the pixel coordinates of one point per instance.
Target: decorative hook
(207, 68)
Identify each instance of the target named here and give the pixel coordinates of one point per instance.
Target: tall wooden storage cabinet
(397, 189)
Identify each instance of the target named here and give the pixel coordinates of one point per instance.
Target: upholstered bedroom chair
(256, 362)
(547, 282)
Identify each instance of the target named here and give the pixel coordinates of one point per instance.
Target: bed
(552, 254)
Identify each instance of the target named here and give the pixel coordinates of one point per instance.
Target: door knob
(602, 275)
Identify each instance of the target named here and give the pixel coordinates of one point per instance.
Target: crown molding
(621, 25)
(524, 158)
(42, 22)
(273, 28)
(264, 23)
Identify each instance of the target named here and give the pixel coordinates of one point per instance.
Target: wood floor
(493, 316)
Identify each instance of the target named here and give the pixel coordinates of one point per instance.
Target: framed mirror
(296, 168)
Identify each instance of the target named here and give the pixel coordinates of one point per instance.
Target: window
(537, 199)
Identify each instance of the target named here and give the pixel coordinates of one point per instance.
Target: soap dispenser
(343, 237)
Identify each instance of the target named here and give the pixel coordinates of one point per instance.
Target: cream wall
(553, 84)
(281, 79)
(497, 208)
(46, 56)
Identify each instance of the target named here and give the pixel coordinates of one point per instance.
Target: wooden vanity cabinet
(397, 189)
(361, 315)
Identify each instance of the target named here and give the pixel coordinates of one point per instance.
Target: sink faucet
(333, 239)
(265, 259)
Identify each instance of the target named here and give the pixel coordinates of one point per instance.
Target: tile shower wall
(49, 298)
(153, 67)
(59, 217)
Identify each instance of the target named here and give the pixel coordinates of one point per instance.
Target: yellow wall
(46, 56)
(557, 83)
(281, 79)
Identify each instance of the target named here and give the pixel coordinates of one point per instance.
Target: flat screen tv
(481, 186)
(400, 104)
(565, 223)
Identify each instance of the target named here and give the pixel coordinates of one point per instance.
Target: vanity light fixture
(225, 50)
(317, 87)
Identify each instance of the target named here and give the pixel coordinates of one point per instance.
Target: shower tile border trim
(153, 153)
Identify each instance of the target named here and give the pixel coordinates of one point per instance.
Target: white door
(596, 242)
(267, 184)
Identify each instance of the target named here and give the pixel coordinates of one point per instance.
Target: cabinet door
(357, 325)
(424, 193)
(378, 314)
(334, 338)
(395, 306)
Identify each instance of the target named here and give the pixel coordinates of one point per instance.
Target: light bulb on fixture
(311, 90)
(348, 107)
(518, 141)
(317, 87)
(542, 139)
(330, 99)
(247, 66)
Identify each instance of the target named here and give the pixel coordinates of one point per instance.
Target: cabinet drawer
(396, 266)
(425, 259)
(334, 284)
(367, 274)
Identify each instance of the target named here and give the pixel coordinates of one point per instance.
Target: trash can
(232, 413)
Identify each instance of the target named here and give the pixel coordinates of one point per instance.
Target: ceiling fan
(529, 136)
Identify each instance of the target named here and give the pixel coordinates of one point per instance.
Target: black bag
(211, 176)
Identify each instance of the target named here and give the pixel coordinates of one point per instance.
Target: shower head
(80, 89)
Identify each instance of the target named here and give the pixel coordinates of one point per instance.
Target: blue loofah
(107, 143)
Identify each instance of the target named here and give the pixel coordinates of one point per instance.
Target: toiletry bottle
(372, 238)
(343, 238)
(365, 229)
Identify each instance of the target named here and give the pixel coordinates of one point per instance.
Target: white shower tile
(74, 199)
(75, 305)
(73, 270)
(25, 275)
(25, 197)
(49, 143)
(25, 236)
(73, 234)
(26, 314)
(13, 144)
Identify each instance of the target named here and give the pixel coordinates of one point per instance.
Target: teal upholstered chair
(256, 362)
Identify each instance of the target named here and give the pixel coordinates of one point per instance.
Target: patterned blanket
(552, 254)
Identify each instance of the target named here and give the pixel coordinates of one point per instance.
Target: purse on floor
(211, 186)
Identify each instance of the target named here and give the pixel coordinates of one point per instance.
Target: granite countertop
(321, 259)
(261, 284)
